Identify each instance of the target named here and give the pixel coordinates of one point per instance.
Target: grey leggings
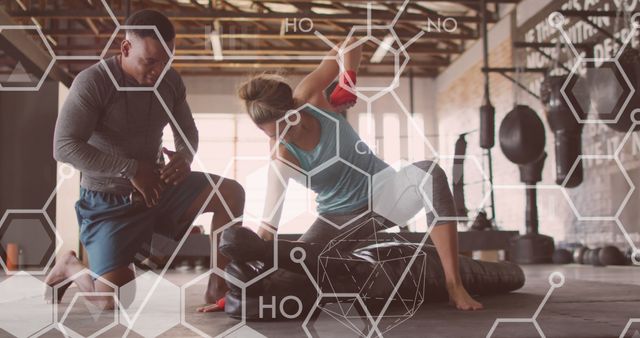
(369, 222)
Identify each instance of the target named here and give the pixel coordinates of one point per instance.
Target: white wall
(218, 95)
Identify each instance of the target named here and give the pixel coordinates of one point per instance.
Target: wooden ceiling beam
(234, 15)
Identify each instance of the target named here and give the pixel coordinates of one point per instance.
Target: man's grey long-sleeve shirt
(103, 132)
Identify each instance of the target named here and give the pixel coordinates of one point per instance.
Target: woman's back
(340, 166)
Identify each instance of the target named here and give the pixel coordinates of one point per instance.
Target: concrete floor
(593, 302)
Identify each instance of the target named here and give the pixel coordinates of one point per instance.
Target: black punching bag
(565, 126)
(487, 125)
(457, 174)
(522, 135)
(532, 247)
(522, 140)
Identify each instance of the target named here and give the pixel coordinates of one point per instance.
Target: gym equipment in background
(487, 124)
(487, 111)
(627, 257)
(578, 254)
(522, 140)
(562, 256)
(566, 128)
(457, 175)
(481, 222)
(522, 135)
(611, 255)
(607, 255)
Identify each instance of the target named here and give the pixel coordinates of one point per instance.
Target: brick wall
(604, 188)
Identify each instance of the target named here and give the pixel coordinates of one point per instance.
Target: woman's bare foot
(459, 297)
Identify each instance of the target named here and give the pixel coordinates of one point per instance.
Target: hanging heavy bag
(522, 135)
(458, 176)
(487, 124)
(566, 128)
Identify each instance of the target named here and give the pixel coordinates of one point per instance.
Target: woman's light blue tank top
(340, 187)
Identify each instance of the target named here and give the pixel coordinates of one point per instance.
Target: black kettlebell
(627, 257)
(578, 254)
(611, 255)
(562, 256)
(594, 257)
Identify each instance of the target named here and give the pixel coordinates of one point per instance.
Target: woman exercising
(306, 139)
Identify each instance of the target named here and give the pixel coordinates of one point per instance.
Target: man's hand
(176, 170)
(147, 181)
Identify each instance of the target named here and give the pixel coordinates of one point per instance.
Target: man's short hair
(150, 17)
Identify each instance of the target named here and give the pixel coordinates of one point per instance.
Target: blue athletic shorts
(113, 230)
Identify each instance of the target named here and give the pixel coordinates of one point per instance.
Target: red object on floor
(220, 303)
(342, 96)
(12, 256)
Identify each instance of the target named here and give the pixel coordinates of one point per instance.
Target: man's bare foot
(59, 271)
(66, 265)
(459, 297)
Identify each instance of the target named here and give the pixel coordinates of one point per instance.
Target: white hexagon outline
(622, 229)
(369, 26)
(623, 202)
(579, 59)
(629, 133)
(401, 279)
(369, 37)
(231, 279)
(270, 163)
(417, 252)
(94, 57)
(57, 238)
(315, 213)
(534, 318)
(47, 288)
(430, 227)
(66, 330)
(316, 307)
(498, 321)
(628, 326)
(398, 68)
(154, 89)
(629, 37)
(622, 107)
(483, 202)
(123, 313)
(410, 119)
(46, 71)
(183, 305)
(72, 278)
(617, 156)
(280, 138)
(103, 62)
(214, 191)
